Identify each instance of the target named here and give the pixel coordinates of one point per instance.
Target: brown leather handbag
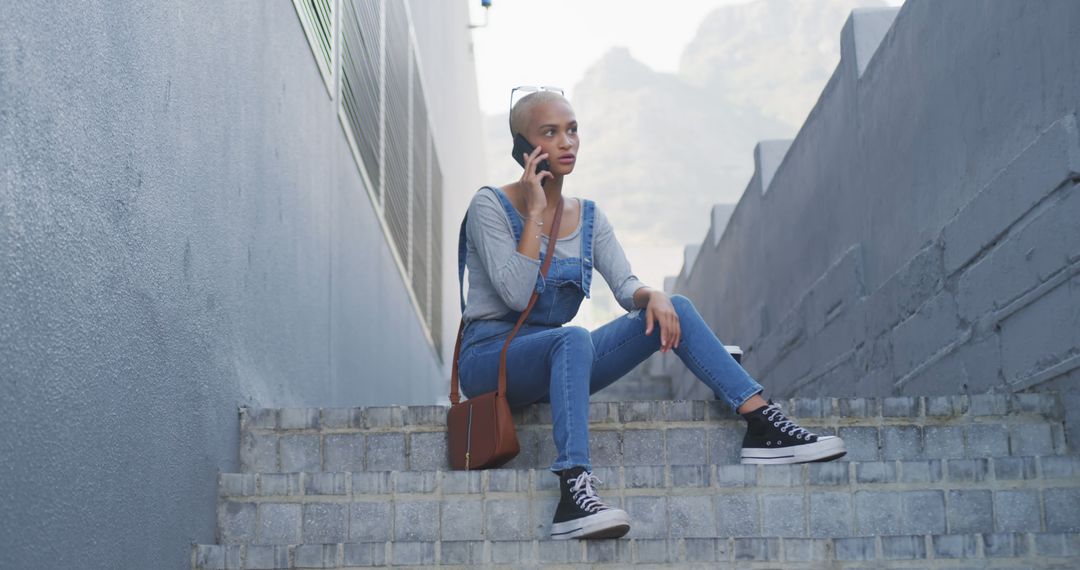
(480, 431)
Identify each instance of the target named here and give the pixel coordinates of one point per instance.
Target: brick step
(1013, 550)
(626, 433)
(1008, 494)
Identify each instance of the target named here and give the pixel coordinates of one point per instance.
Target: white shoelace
(776, 416)
(585, 494)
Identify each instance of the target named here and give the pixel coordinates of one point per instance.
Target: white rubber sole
(826, 448)
(611, 523)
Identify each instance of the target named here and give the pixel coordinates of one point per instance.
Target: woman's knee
(682, 303)
(577, 337)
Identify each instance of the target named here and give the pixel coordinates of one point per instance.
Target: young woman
(504, 240)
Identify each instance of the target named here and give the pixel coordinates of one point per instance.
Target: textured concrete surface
(919, 235)
(183, 230)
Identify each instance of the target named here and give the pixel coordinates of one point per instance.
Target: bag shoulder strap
(455, 397)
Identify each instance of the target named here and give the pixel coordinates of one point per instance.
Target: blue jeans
(565, 364)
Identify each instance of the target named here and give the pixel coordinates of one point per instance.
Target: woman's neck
(553, 191)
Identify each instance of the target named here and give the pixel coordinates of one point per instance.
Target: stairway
(943, 482)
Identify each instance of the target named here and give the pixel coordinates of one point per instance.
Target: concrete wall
(919, 235)
(183, 230)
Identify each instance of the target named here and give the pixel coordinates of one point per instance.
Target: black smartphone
(522, 147)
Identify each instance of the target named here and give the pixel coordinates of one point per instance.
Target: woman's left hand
(661, 311)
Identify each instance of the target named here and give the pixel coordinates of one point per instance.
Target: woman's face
(554, 129)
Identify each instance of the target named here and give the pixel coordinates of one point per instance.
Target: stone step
(997, 550)
(818, 500)
(657, 432)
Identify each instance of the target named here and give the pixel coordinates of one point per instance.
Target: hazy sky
(553, 42)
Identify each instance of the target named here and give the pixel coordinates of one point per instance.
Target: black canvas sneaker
(580, 513)
(773, 438)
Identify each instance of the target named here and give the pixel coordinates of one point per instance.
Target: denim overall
(561, 293)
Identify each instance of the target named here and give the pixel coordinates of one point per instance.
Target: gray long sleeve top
(502, 279)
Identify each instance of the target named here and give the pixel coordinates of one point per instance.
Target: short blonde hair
(521, 113)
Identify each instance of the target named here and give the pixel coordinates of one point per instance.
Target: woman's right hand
(535, 200)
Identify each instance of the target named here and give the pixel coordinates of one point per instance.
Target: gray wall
(919, 235)
(183, 231)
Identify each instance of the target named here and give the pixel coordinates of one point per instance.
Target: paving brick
(298, 418)
(260, 418)
(259, 556)
(855, 548)
(384, 417)
(684, 410)
(691, 517)
(372, 483)
(279, 484)
(415, 481)
(462, 519)
(735, 475)
(941, 442)
(217, 557)
(1017, 511)
(606, 449)
(325, 483)
(831, 473)
(757, 549)
(805, 549)
(856, 407)
(386, 451)
(783, 514)
(512, 552)
(370, 521)
(560, 551)
(1060, 467)
(643, 446)
(300, 453)
(920, 471)
(902, 442)
(425, 416)
(510, 480)
(1058, 545)
(946, 406)
(969, 511)
(462, 552)
(341, 418)
(700, 549)
(901, 407)
(237, 484)
(988, 404)
(737, 515)
(1015, 468)
(258, 452)
(781, 475)
(968, 470)
(343, 452)
(653, 551)
(903, 547)
(416, 520)
(462, 482)
(830, 514)
(412, 553)
(689, 475)
(1004, 545)
(986, 440)
(326, 522)
(427, 450)
(316, 555)
(876, 472)
(507, 519)
(924, 512)
(685, 446)
(1031, 439)
(725, 445)
(877, 512)
(608, 551)
(1062, 510)
(643, 476)
(955, 546)
(861, 443)
(364, 554)
(237, 522)
(279, 523)
(643, 411)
